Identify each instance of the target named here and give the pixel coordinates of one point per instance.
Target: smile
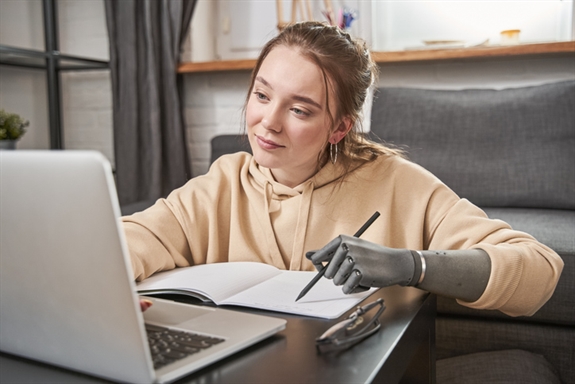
(267, 144)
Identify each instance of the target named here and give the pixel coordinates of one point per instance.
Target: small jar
(510, 37)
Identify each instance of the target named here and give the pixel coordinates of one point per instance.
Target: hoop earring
(333, 152)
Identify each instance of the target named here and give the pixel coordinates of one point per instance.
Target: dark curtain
(149, 135)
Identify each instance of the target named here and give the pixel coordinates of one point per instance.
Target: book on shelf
(255, 285)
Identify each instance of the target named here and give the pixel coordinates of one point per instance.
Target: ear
(342, 129)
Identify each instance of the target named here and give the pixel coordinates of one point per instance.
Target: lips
(267, 144)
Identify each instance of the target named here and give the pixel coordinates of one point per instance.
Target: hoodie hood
(278, 198)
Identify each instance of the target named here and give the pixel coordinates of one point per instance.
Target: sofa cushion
(504, 367)
(498, 148)
(457, 336)
(552, 227)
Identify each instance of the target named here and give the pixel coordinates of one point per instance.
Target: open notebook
(256, 285)
(67, 294)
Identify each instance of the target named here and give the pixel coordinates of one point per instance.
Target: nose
(272, 119)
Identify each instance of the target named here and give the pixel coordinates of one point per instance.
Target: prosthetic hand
(357, 264)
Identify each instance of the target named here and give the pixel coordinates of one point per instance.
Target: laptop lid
(67, 295)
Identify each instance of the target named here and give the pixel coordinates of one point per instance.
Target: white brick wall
(214, 100)
(87, 111)
(213, 106)
(484, 73)
(83, 30)
(86, 95)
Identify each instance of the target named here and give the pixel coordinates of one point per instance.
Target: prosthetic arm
(357, 264)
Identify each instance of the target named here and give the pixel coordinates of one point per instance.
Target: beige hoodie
(238, 212)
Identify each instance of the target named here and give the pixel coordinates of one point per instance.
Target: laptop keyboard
(168, 345)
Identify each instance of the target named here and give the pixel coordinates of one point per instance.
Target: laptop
(67, 293)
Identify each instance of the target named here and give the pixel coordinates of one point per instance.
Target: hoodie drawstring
(273, 247)
(301, 227)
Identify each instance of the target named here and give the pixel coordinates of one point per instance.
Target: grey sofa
(511, 152)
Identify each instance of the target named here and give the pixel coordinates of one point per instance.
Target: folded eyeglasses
(351, 330)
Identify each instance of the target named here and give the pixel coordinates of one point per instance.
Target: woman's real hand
(145, 304)
(355, 263)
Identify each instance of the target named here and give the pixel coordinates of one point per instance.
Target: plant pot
(7, 144)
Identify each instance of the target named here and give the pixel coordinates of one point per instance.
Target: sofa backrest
(497, 148)
(226, 144)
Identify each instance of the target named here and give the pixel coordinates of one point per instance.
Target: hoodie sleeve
(189, 227)
(156, 240)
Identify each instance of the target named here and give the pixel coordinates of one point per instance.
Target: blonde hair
(348, 68)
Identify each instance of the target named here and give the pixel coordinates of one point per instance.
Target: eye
(299, 112)
(260, 96)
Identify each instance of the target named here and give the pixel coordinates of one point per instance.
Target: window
(405, 24)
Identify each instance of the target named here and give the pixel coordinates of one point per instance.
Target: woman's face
(286, 117)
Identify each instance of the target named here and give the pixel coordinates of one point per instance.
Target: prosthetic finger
(352, 282)
(336, 261)
(324, 254)
(309, 254)
(344, 271)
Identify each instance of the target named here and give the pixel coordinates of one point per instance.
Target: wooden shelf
(564, 47)
(542, 49)
(215, 66)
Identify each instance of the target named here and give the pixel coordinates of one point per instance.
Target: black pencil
(322, 271)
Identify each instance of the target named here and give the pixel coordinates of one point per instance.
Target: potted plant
(12, 127)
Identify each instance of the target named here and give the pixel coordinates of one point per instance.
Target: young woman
(314, 180)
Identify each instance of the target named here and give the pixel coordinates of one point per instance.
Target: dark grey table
(403, 351)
